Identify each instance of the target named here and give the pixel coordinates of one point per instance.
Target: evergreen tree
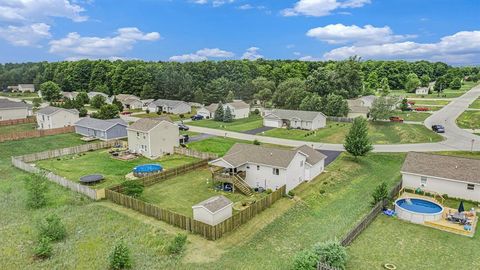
(198, 96)
(228, 115)
(357, 142)
(230, 96)
(219, 113)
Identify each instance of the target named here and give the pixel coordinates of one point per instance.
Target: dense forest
(285, 83)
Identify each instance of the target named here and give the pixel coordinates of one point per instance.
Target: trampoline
(91, 179)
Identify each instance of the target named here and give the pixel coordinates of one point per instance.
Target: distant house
(213, 210)
(458, 177)
(153, 138)
(24, 88)
(14, 110)
(111, 129)
(308, 120)
(129, 101)
(238, 108)
(55, 117)
(146, 102)
(421, 91)
(69, 95)
(271, 168)
(360, 106)
(170, 106)
(93, 94)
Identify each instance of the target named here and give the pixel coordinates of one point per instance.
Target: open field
(17, 128)
(220, 145)
(475, 104)
(238, 125)
(180, 193)
(430, 102)
(412, 116)
(114, 170)
(380, 133)
(447, 93)
(469, 119)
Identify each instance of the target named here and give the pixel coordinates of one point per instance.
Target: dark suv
(438, 128)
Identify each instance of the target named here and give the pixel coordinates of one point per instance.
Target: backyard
(180, 193)
(220, 145)
(469, 119)
(237, 125)
(17, 128)
(379, 133)
(114, 170)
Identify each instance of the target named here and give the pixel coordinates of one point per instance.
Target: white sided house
(421, 91)
(153, 138)
(170, 106)
(238, 108)
(14, 110)
(55, 117)
(270, 168)
(25, 88)
(213, 210)
(308, 120)
(458, 177)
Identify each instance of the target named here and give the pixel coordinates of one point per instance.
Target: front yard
(469, 119)
(475, 104)
(100, 162)
(380, 133)
(17, 128)
(237, 125)
(412, 116)
(174, 117)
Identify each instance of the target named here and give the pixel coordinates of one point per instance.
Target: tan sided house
(153, 138)
(55, 117)
(238, 108)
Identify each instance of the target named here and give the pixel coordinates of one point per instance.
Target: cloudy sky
(196, 30)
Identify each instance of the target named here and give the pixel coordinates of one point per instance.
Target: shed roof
(214, 204)
(99, 124)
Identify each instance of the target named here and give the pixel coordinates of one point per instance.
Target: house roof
(313, 156)
(241, 153)
(239, 104)
(26, 85)
(214, 204)
(130, 101)
(169, 103)
(147, 124)
(123, 97)
(93, 93)
(358, 109)
(99, 124)
(370, 98)
(212, 107)
(8, 104)
(449, 167)
(51, 110)
(290, 114)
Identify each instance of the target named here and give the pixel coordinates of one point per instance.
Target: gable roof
(290, 114)
(449, 167)
(241, 153)
(147, 124)
(27, 85)
(239, 104)
(99, 124)
(123, 97)
(214, 204)
(313, 156)
(8, 104)
(51, 110)
(169, 103)
(130, 101)
(359, 109)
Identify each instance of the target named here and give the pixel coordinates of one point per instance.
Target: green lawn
(430, 102)
(174, 117)
(221, 145)
(412, 116)
(17, 128)
(27, 95)
(447, 93)
(380, 133)
(469, 119)
(75, 166)
(238, 125)
(179, 194)
(475, 104)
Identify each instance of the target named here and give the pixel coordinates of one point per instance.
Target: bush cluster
(177, 245)
(120, 257)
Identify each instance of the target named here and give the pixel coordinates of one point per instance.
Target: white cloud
(318, 8)
(74, 44)
(27, 35)
(246, 7)
(309, 58)
(215, 3)
(460, 48)
(39, 10)
(202, 55)
(368, 34)
(252, 54)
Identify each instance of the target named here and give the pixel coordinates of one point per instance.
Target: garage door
(271, 123)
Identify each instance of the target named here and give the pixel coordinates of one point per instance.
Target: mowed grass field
(469, 119)
(100, 162)
(430, 102)
(237, 125)
(379, 133)
(221, 145)
(412, 116)
(447, 93)
(17, 128)
(475, 104)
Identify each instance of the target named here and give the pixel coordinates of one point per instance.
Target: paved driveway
(258, 130)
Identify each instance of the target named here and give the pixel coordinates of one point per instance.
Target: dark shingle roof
(214, 204)
(313, 155)
(99, 124)
(449, 167)
(51, 110)
(242, 153)
(8, 104)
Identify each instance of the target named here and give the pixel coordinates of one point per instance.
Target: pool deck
(443, 224)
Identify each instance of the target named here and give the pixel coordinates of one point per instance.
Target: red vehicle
(396, 119)
(422, 109)
(411, 102)
(126, 113)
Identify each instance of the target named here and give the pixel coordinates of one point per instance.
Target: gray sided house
(308, 120)
(105, 130)
(170, 106)
(14, 110)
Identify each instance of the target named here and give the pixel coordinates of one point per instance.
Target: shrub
(291, 193)
(268, 191)
(147, 111)
(36, 186)
(331, 253)
(379, 194)
(322, 191)
(52, 228)
(256, 112)
(43, 249)
(256, 142)
(178, 243)
(120, 257)
(182, 116)
(305, 260)
(133, 188)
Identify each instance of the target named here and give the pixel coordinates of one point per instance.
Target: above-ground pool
(418, 210)
(146, 169)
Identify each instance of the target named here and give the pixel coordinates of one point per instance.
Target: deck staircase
(239, 183)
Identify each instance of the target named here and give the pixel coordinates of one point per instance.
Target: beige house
(238, 108)
(153, 138)
(23, 88)
(213, 211)
(14, 110)
(55, 117)
(307, 120)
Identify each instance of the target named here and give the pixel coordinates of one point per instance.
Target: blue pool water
(419, 206)
(148, 168)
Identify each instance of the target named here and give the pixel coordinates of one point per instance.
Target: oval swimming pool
(147, 169)
(418, 210)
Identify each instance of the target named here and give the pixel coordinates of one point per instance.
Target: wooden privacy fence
(189, 224)
(340, 119)
(35, 133)
(196, 154)
(10, 122)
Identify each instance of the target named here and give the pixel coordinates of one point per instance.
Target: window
(423, 180)
(248, 167)
(276, 171)
(301, 163)
(470, 186)
(258, 167)
(138, 134)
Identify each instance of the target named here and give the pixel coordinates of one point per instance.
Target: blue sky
(195, 30)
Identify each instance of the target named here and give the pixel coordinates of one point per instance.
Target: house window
(248, 167)
(470, 186)
(138, 134)
(301, 163)
(258, 167)
(423, 180)
(276, 171)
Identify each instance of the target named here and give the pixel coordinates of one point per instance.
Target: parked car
(422, 109)
(438, 128)
(125, 113)
(197, 117)
(183, 127)
(396, 119)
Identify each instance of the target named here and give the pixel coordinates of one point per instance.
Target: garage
(272, 122)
